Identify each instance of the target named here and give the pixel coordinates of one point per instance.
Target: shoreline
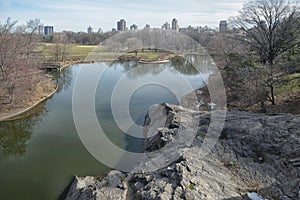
(10, 116)
(154, 62)
(28, 108)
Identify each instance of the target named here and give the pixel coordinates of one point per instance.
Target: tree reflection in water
(63, 78)
(14, 134)
(184, 66)
(187, 65)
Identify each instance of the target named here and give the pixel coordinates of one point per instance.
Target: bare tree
(14, 61)
(134, 43)
(59, 49)
(11, 49)
(31, 29)
(6, 50)
(270, 29)
(222, 46)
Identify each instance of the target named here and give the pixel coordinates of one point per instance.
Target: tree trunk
(271, 66)
(272, 95)
(11, 93)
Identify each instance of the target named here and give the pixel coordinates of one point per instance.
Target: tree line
(258, 53)
(261, 49)
(21, 79)
(17, 60)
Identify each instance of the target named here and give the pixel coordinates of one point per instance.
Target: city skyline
(69, 15)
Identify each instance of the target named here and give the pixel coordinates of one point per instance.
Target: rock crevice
(257, 157)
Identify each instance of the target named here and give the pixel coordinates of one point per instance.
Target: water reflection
(192, 64)
(53, 150)
(183, 66)
(146, 84)
(15, 134)
(63, 78)
(187, 65)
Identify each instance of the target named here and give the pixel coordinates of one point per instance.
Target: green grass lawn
(74, 50)
(94, 52)
(150, 55)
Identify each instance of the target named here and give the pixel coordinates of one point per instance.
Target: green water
(41, 153)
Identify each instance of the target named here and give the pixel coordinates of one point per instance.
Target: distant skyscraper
(90, 29)
(133, 27)
(166, 26)
(121, 25)
(48, 30)
(41, 30)
(175, 25)
(223, 26)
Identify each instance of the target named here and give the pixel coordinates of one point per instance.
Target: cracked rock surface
(254, 153)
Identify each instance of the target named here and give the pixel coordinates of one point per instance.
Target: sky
(77, 15)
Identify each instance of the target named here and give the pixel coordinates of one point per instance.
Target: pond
(41, 153)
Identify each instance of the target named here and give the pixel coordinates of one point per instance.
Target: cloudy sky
(77, 15)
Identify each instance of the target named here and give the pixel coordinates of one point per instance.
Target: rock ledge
(256, 157)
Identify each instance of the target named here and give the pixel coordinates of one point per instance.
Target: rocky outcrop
(111, 187)
(256, 157)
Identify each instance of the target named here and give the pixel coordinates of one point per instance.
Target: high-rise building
(41, 30)
(90, 29)
(121, 25)
(223, 27)
(166, 26)
(175, 25)
(48, 30)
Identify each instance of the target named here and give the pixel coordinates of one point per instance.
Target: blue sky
(77, 15)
